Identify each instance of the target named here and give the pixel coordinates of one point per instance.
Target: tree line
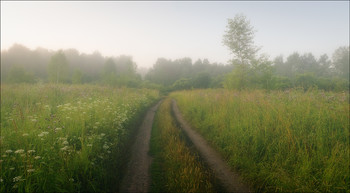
(246, 69)
(20, 64)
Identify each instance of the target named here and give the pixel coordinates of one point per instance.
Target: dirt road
(230, 181)
(137, 178)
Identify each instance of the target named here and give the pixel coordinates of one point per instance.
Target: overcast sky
(149, 30)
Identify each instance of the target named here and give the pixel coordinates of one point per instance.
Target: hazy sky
(148, 30)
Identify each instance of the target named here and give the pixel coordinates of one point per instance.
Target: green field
(67, 138)
(279, 140)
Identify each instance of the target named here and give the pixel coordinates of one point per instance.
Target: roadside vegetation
(175, 167)
(67, 138)
(278, 141)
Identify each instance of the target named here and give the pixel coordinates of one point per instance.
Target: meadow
(67, 138)
(176, 167)
(279, 141)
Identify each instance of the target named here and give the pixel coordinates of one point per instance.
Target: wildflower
(15, 186)
(34, 120)
(102, 134)
(95, 127)
(108, 151)
(58, 129)
(89, 145)
(37, 157)
(97, 123)
(41, 135)
(4, 156)
(8, 151)
(25, 134)
(11, 168)
(65, 143)
(30, 170)
(31, 151)
(71, 179)
(19, 151)
(64, 148)
(17, 179)
(105, 146)
(1, 180)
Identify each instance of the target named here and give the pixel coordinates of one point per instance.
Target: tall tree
(58, 68)
(341, 61)
(239, 38)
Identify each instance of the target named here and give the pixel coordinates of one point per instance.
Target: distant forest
(22, 65)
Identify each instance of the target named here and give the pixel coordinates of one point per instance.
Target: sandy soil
(137, 178)
(230, 180)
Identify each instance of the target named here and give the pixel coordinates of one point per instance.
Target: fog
(177, 45)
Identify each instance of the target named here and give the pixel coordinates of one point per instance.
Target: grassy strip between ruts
(280, 141)
(174, 168)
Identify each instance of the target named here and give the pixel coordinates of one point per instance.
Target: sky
(148, 30)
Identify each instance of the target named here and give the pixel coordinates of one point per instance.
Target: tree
(77, 77)
(109, 74)
(341, 61)
(239, 39)
(19, 75)
(58, 68)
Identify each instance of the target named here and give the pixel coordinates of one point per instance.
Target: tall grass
(66, 138)
(174, 168)
(279, 141)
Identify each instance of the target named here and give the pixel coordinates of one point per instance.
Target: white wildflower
(65, 148)
(17, 179)
(37, 157)
(30, 170)
(58, 129)
(31, 151)
(65, 143)
(105, 146)
(11, 168)
(8, 151)
(102, 134)
(34, 120)
(19, 151)
(25, 134)
(71, 179)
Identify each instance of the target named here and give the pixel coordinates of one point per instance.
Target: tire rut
(137, 177)
(230, 180)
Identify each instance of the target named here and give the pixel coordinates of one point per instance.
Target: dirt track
(230, 181)
(137, 178)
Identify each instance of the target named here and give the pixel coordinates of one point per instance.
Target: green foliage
(19, 75)
(239, 38)
(280, 141)
(341, 61)
(58, 68)
(77, 77)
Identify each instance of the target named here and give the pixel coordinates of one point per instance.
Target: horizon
(172, 30)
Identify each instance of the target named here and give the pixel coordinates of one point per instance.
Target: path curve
(230, 181)
(137, 177)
